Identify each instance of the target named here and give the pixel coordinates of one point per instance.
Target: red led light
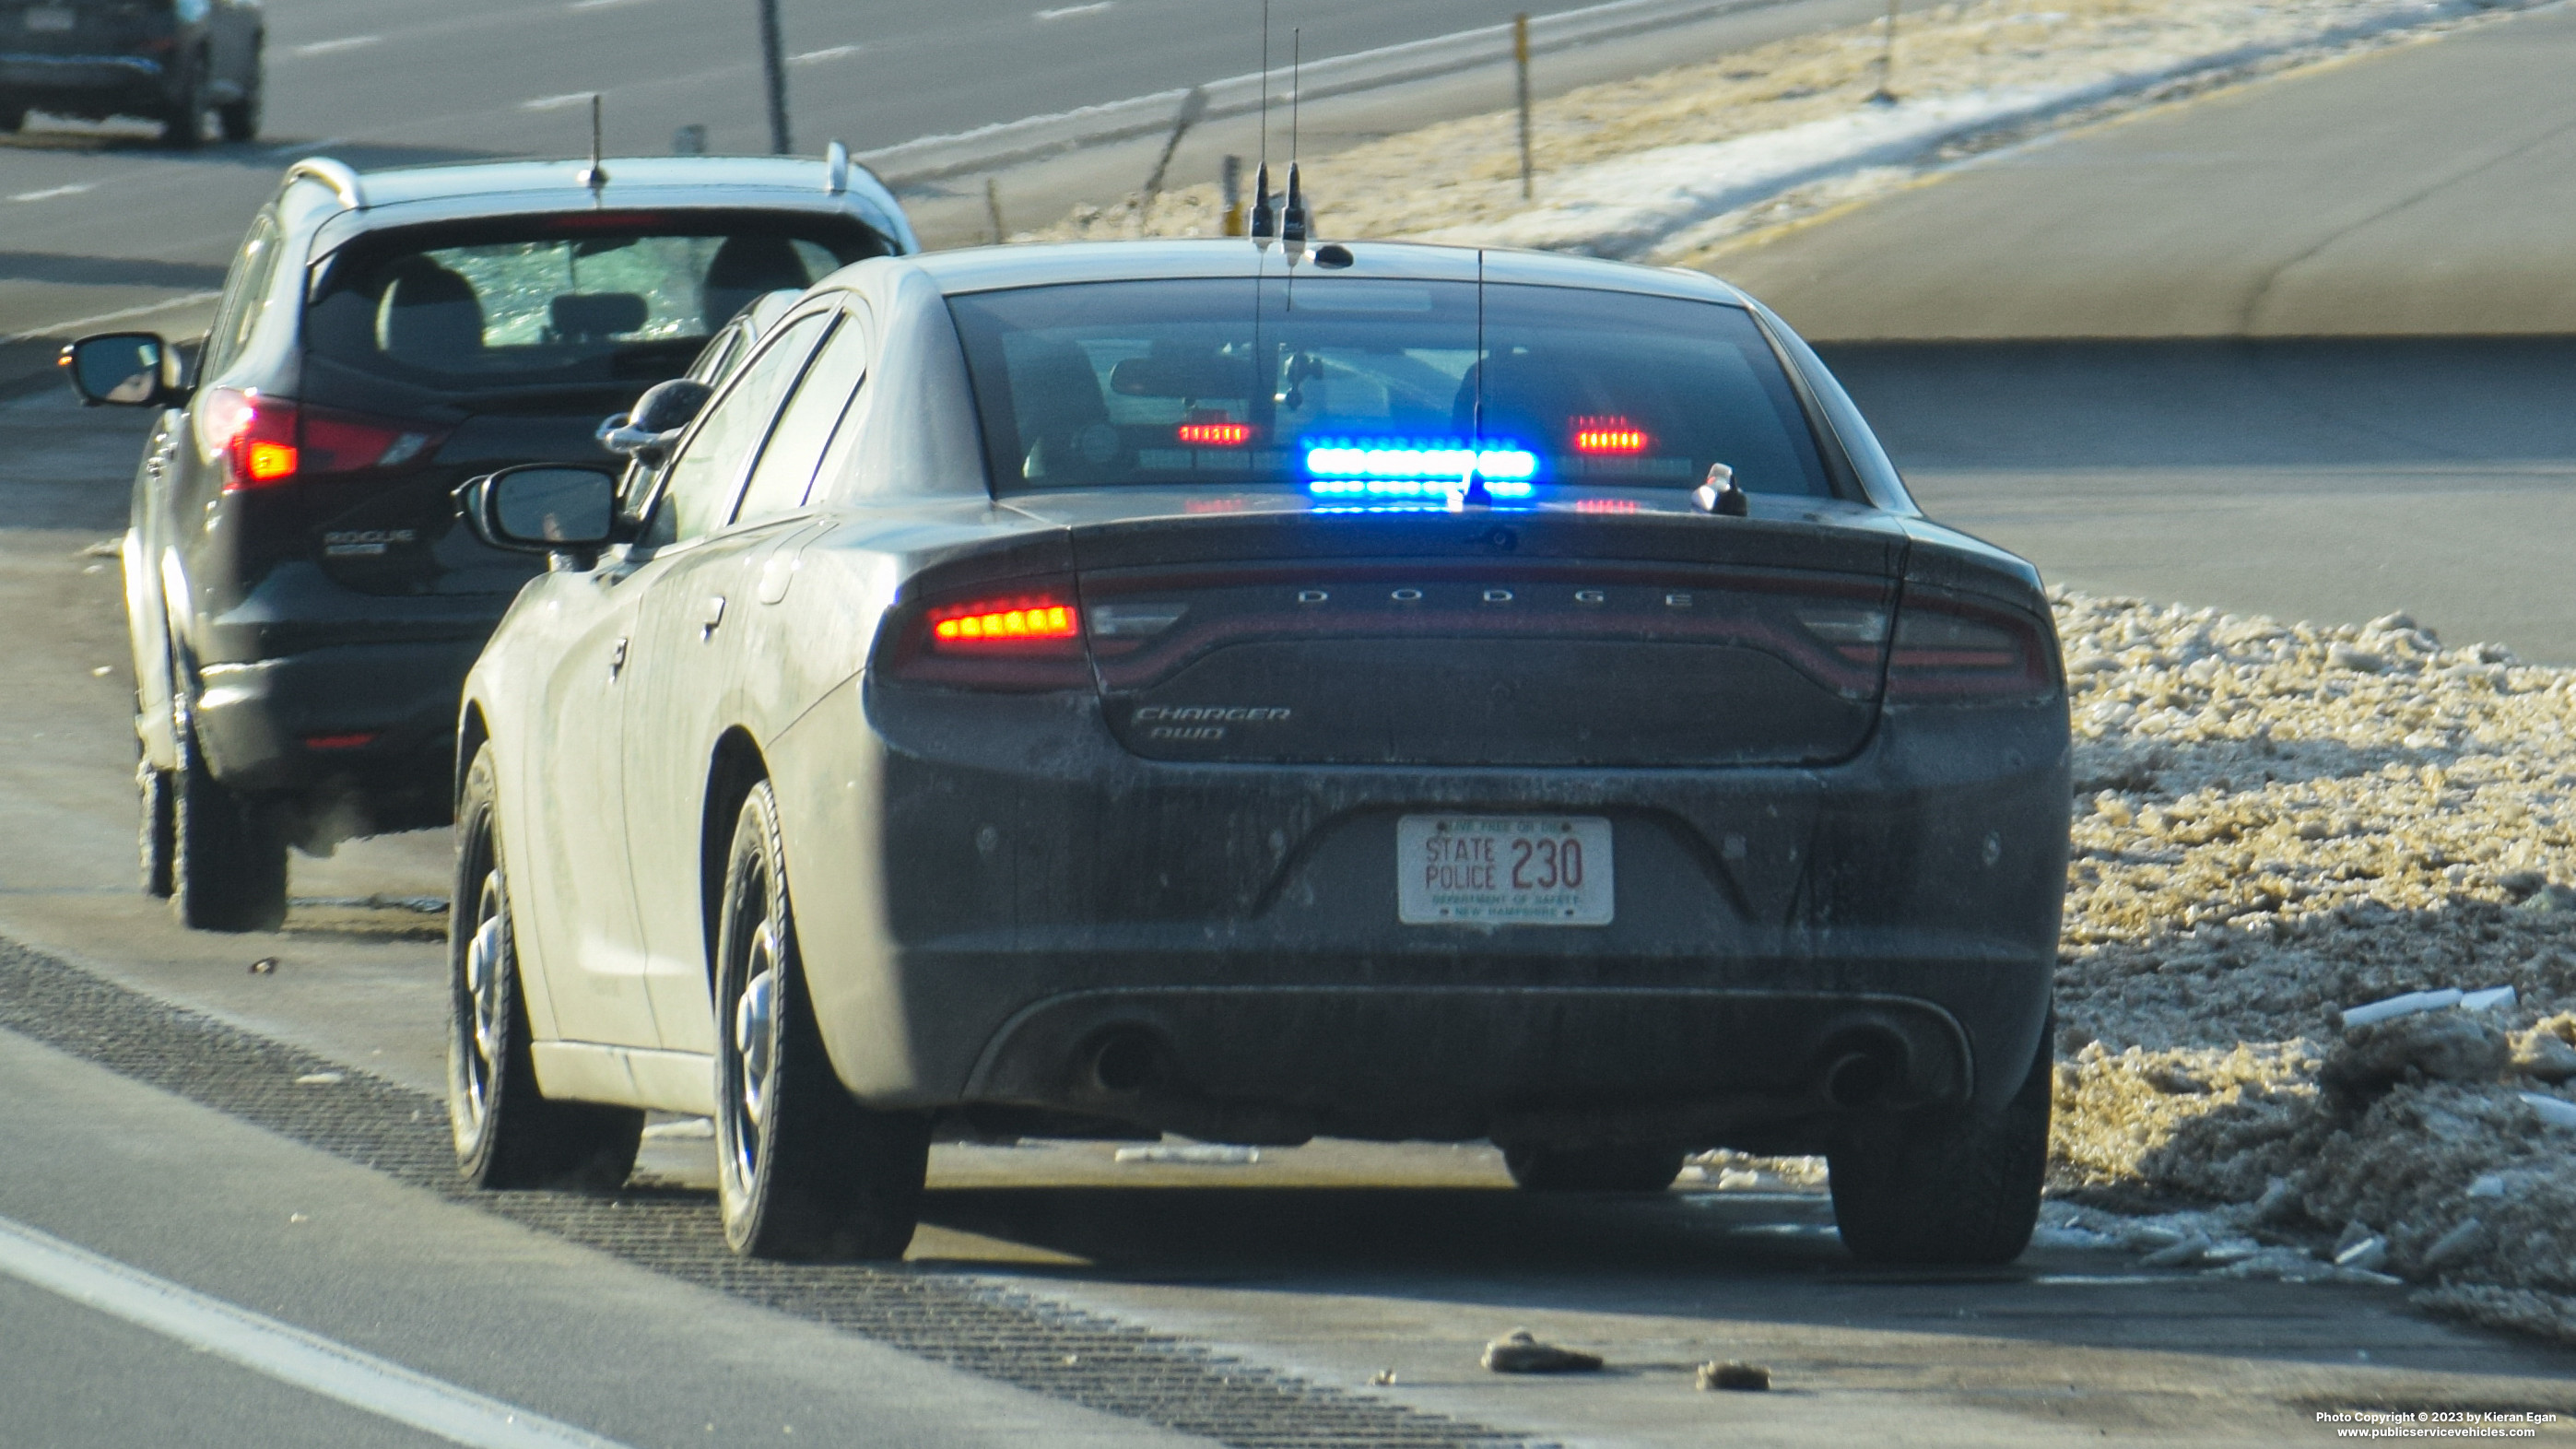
(354, 740)
(1605, 505)
(1216, 435)
(1005, 623)
(1608, 435)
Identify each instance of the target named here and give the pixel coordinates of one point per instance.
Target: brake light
(266, 441)
(1608, 435)
(1216, 435)
(973, 625)
(1028, 638)
(1949, 648)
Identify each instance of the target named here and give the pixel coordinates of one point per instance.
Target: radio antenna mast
(1265, 221)
(594, 175)
(1292, 214)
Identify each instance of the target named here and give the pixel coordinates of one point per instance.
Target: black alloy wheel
(227, 856)
(1961, 1188)
(508, 1133)
(157, 832)
(1593, 1169)
(183, 109)
(803, 1171)
(239, 119)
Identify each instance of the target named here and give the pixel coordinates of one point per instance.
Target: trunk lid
(1611, 633)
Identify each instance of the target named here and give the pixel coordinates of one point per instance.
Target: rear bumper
(258, 724)
(37, 77)
(993, 919)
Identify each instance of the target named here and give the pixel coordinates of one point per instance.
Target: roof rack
(335, 174)
(836, 169)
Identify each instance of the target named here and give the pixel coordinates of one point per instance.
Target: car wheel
(1593, 1169)
(508, 1134)
(240, 119)
(13, 116)
(1962, 1189)
(802, 1171)
(227, 859)
(157, 838)
(183, 111)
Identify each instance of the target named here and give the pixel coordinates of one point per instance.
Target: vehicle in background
(170, 61)
(1159, 687)
(302, 599)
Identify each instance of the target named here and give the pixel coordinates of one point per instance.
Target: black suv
(169, 61)
(303, 600)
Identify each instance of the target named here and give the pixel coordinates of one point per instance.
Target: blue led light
(1415, 468)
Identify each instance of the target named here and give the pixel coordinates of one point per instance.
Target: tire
(803, 1172)
(239, 120)
(1594, 1169)
(1958, 1190)
(157, 834)
(13, 116)
(227, 858)
(508, 1134)
(183, 111)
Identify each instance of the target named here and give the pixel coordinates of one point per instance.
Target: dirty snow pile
(1671, 166)
(2319, 964)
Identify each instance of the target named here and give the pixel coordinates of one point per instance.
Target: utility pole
(1520, 68)
(1885, 95)
(773, 66)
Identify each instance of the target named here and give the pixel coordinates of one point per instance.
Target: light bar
(977, 623)
(1406, 468)
(1216, 435)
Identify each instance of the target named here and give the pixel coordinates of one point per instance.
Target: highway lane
(2302, 348)
(95, 219)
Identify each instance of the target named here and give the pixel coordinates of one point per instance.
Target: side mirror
(648, 434)
(127, 369)
(550, 508)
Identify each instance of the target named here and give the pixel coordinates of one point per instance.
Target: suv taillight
(268, 441)
(1021, 634)
(1952, 648)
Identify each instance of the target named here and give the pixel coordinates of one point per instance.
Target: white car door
(678, 679)
(563, 811)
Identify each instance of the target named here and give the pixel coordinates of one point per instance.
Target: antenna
(1265, 221)
(594, 175)
(1292, 217)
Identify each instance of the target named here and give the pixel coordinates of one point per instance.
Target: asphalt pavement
(2303, 348)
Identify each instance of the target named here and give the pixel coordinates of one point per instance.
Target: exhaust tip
(1129, 1059)
(1862, 1070)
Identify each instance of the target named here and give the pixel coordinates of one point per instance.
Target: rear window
(553, 300)
(1377, 389)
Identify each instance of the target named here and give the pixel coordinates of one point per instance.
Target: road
(98, 221)
(2303, 348)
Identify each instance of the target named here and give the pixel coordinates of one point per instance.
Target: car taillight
(1026, 636)
(267, 441)
(1949, 648)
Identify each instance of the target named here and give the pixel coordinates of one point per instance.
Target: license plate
(1502, 870)
(48, 18)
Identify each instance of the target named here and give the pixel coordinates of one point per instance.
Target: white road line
(829, 52)
(83, 324)
(327, 47)
(597, 4)
(50, 192)
(280, 1350)
(557, 103)
(1068, 12)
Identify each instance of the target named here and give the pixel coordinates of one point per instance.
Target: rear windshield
(1373, 389)
(553, 300)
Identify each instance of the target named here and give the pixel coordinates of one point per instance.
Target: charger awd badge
(1203, 722)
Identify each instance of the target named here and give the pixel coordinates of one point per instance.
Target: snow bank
(2280, 821)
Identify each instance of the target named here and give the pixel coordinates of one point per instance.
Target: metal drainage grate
(983, 1329)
